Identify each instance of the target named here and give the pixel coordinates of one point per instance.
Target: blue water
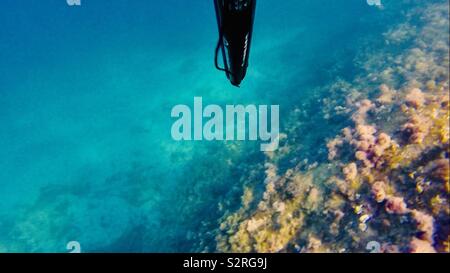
(85, 98)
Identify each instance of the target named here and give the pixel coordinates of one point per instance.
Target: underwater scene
(88, 159)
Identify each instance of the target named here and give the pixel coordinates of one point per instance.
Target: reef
(386, 178)
(362, 158)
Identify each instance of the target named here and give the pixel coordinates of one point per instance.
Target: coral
(363, 107)
(424, 225)
(379, 191)
(314, 244)
(396, 205)
(438, 169)
(332, 147)
(420, 246)
(313, 200)
(386, 95)
(415, 98)
(387, 174)
(274, 223)
(416, 129)
(388, 248)
(350, 171)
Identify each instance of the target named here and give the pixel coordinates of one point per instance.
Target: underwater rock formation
(387, 175)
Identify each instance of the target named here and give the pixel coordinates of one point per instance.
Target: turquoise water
(85, 99)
